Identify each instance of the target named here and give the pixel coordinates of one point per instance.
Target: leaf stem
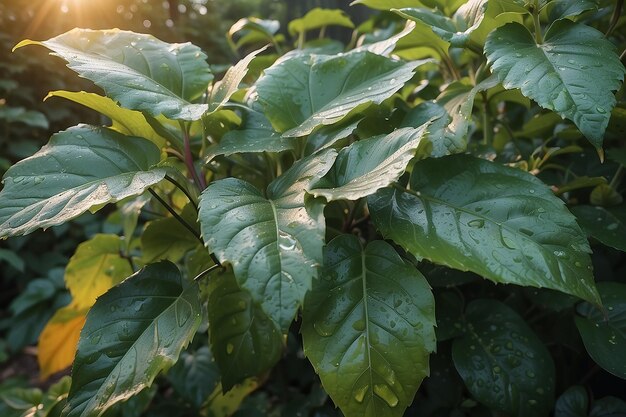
(538, 34)
(184, 190)
(617, 177)
(176, 215)
(487, 124)
(189, 159)
(617, 12)
(207, 271)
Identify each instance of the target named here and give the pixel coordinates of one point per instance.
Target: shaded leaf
(608, 225)
(368, 328)
(133, 332)
(501, 223)
(274, 243)
(604, 331)
(307, 91)
(317, 18)
(503, 363)
(195, 376)
(370, 164)
(245, 341)
(574, 402)
(168, 239)
(561, 9)
(573, 72)
(138, 71)
(81, 168)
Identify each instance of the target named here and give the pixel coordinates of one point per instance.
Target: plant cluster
(351, 204)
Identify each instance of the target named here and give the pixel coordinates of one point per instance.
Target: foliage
(353, 204)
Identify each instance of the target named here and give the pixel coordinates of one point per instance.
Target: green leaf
(133, 332)
(317, 18)
(388, 4)
(252, 30)
(368, 328)
(138, 71)
(503, 363)
(274, 243)
(608, 407)
(573, 72)
(127, 122)
(255, 135)
(608, 225)
(328, 136)
(307, 91)
(222, 90)
(457, 29)
(501, 223)
(604, 332)
(245, 341)
(195, 376)
(30, 118)
(168, 239)
(81, 168)
(561, 9)
(370, 164)
(572, 403)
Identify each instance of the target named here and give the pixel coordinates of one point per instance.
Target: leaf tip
(600, 154)
(23, 43)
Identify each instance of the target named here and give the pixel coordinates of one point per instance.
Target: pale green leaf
(133, 332)
(245, 341)
(273, 241)
(128, 122)
(317, 18)
(503, 363)
(81, 168)
(368, 328)
(370, 164)
(169, 239)
(574, 72)
(388, 4)
(138, 71)
(501, 223)
(604, 331)
(306, 91)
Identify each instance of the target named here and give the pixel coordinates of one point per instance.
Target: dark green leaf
(573, 72)
(561, 9)
(499, 222)
(604, 332)
(133, 332)
(503, 363)
(245, 341)
(81, 168)
(195, 376)
(274, 243)
(368, 328)
(307, 91)
(139, 71)
(328, 136)
(572, 403)
(608, 407)
(370, 164)
(608, 225)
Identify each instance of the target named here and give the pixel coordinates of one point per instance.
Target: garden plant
(342, 208)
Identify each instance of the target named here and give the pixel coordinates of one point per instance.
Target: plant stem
(183, 189)
(487, 125)
(538, 34)
(189, 159)
(176, 215)
(617, 177)
(207, 271)
(617, 12)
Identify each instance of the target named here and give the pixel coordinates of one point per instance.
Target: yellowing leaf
(224, 405)
(96, 266)
(58, 340)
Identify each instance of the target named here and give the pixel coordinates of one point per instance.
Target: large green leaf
(245, 341)
(604, 331)
(138, 71)
(317, 18)
(195, 376)
(573, 72)
(307, 91)
(128, 122)
(370, 164)
(503, 363)
(560, 9)
(81, 168)
(133, 332)
(574, 402)
(273, 241)
(608, 225)
(368, 328)
(499, 222)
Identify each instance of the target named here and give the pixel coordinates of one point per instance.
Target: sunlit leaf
(59, 339)
(317, 18)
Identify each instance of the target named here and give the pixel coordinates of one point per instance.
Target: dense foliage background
(506, 127)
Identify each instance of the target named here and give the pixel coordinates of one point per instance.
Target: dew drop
(359, 395)
(229, 348)
(476, 223)
(612, 226)
(384, 392)
(359, 325)
(600, 110)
